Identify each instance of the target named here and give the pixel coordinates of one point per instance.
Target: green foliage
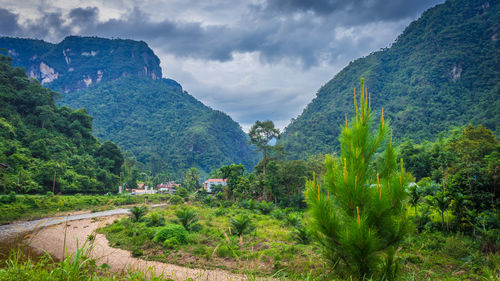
(155, 219)
(173, 233)
(188, 217)
(241, 224)
(424, 87)
(192, 180)
(261, 134)
(138, 212)
(176, 199)
(264, 207)
(163, 127)
(358, 212)
(42, 139)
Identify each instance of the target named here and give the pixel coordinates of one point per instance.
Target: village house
(210, 183)
(168, 187)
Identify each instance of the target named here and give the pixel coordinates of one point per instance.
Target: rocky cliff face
(79, 62)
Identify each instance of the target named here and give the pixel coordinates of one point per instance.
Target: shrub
(188, 218)
(155, 219)
(170, 231)
(241, 224)
(265, 207)
(138, 212)
(176, 199)
(278, 214)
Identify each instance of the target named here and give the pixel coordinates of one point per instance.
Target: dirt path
(52, 239)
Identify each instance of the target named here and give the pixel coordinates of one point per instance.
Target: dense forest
(164, 127)
(442, 71)
(40, 142)
(119, 82)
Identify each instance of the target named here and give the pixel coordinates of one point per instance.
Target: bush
(188, 218)
(265, 207)
(155, 219)
(170, 231)
(176, 199)
(138, 212)
(241, 224)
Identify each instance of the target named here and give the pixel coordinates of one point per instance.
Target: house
(168, 187)
(210, 183)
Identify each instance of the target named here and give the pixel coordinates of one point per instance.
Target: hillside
(442, 71)
(38, 138)
(158, 121)
(119, 83)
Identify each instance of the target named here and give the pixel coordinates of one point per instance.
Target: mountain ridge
(164, 127)
(78, 62)
(442, 71)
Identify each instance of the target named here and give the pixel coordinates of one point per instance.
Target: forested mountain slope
(162, 125)
(442, 71)
(120, 84)
(37, 139)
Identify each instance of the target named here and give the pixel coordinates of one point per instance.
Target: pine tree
(357, 213)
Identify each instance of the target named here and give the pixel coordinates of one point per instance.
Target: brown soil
(56, 239)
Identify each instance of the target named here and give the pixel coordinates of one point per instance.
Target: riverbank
(62, 239)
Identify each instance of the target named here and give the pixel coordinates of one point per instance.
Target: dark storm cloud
(302, 31)
(361, 10)
(82, 16)
(8, 23)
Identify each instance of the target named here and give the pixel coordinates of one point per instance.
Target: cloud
(302, 31)
(362, 11)
(255, 59)
(8, 22)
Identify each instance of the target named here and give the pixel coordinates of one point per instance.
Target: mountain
(79, 62)
(157, 121)
(119, 82)
(37, 139)
(442, 71)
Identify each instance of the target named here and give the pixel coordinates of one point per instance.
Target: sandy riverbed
(51, 239)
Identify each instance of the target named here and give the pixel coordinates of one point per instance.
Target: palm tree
(187, 217)
(138, 212)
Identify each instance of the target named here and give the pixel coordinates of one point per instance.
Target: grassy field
(275, 246)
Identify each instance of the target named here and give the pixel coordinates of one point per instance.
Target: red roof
(215, 180)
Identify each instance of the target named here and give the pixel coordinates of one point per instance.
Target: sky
(252, 59)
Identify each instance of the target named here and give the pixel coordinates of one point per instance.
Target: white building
(210, 183)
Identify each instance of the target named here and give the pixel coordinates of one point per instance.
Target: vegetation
(424, 87)
(165, 129)
(358, 213)
(355, 213)
(78, 57)
(138, 212)
(272, 247)
(46, 148)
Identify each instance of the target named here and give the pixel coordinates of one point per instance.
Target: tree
(188, 217)
(468, 171)
(441, 201)
(192, 179)
(358, 213)
(110, 157)
(138, 212)
(261, 134)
